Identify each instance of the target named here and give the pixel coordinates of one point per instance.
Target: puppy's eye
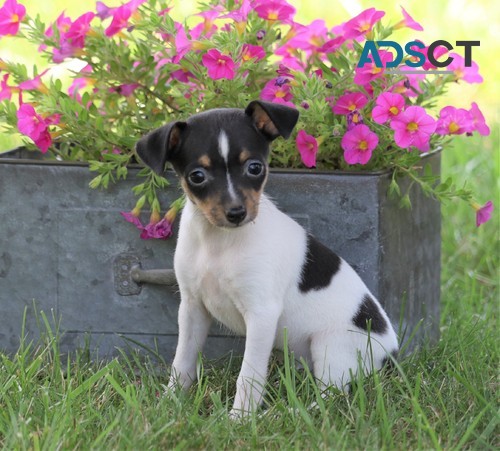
(197, 177)
(254, 168)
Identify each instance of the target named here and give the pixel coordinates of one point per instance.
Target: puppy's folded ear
(159, 146)
(272, 119)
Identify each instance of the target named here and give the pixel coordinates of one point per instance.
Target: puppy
(243, 262)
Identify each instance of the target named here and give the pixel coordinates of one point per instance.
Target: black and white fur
(243, 262)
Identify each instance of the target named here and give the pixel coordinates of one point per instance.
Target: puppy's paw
(238, 414)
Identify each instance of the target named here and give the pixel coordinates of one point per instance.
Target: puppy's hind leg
(334, 357)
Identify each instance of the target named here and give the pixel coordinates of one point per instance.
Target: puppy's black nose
(236, 214)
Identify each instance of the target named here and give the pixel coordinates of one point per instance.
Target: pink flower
(310, 37)
(438, 52)
(103, 11)
(252, 52)
(182, 43)
(468, 74)
(413, 127)
(347, 103)
(478, 120)
(133, 218)
(11, 15)
(160, 230)
(369, 72)
(125, 89)
(454, 121)
(241, 14)
(274, 91)
(362, 23)
(410, 87)
(358, 144)
(353, 119)
(182, 75)
(388, 106)
(33, 125)
(78, 30)
(332, 45)
(275, 10)
(483, 214)
(408, 22)
(35, 84)
(6, 91)
(308, 148)
(290, 57)
(121, 15)
(218, 65)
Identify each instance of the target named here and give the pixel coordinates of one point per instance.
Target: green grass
(442, 397)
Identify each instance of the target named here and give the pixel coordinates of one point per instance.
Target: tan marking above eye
(244, 155)
(205, 161)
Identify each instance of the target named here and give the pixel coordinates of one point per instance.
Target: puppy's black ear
(159, 146)
(272, 119)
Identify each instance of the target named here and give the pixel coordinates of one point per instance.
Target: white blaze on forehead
(223, 145)
(224, 153)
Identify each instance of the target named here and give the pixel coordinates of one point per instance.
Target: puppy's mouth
(224, 223)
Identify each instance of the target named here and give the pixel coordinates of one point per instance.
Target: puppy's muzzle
(236, 215)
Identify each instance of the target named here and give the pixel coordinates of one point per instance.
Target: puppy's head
(221, 157)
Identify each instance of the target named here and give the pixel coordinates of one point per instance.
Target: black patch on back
(370, 311)
(319, 267)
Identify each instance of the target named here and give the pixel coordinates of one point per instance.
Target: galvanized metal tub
(65, 248)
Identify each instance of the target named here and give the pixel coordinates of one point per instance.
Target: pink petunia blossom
(362, 24)
(454, 121)
(240, 15)
(103, 11)
(354, 118)
(413, 127)
(35, 84)
(252, 52)
(81, 82)
(308, 148)
(467, 74)
(483, 214)
(275, 91)
(310, 37)
(160, 230)
(182, 75)
(347, 103)
(218, 65)
(275, 10)
(478, 120)
(126, 89)
(182, 43)
(408, 22)
(369, 71)
(133, 217)
(439, 51)
(11, 15)
(410, 86)
(78, 30)
(61, 24)
(121, 15)
(290, 57)
(31, 124)
(388, 106)
(358, 144)
(6, 91)
(332, 45)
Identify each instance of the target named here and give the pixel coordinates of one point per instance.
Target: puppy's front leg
(194, 323)
(260, 335)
